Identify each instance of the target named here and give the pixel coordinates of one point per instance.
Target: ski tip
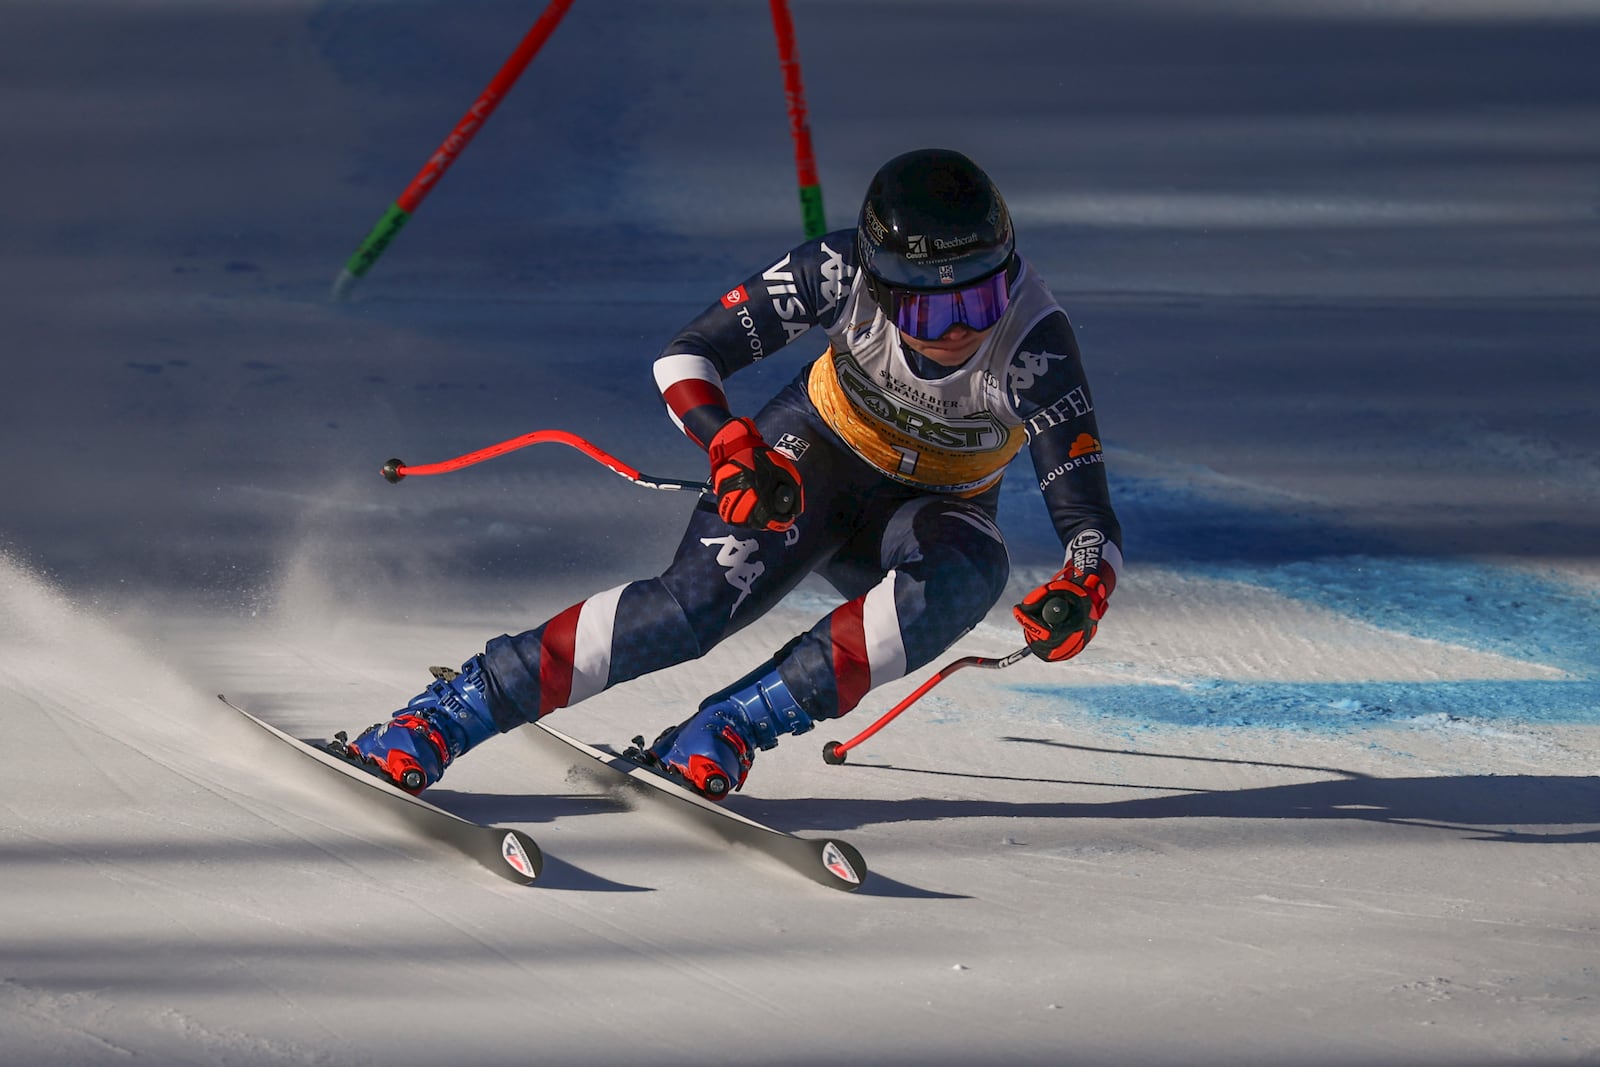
(522, 856)
(843, 863)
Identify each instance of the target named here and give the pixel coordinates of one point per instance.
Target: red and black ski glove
(757, 487)
(1060, 617)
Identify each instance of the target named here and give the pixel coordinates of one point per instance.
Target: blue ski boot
(443, 721)
(712, 752)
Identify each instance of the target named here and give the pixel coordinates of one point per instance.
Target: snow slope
(1322, 792)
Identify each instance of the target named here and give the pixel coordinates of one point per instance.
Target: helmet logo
(916, 246)
(942, 243)
(875, 227)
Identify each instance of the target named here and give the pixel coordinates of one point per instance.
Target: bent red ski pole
(395, 469)
(449, 151)
(834, 751)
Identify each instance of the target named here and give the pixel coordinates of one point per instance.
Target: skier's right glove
(757, 487)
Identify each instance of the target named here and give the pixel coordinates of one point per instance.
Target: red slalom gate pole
(834, 751)
(805, 161)
(395, 469)
(449, 151)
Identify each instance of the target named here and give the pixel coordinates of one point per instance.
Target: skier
(878, 467)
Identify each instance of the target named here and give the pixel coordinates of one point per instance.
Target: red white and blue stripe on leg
(638, 628)
(867, 644)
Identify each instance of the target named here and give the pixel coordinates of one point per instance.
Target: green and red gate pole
(450, 150)
(805, 161)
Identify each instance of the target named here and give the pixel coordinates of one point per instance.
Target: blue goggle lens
(928, 315)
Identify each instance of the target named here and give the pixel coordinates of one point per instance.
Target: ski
(828, 861)
(511, 854)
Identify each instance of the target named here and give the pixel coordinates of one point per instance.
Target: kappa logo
(1028, 367)
(836, 277)
(734, 554)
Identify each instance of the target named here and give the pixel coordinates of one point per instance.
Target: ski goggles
(927, 314)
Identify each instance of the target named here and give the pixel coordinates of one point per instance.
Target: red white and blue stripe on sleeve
(692, 390)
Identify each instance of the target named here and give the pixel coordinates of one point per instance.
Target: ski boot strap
(771, 710)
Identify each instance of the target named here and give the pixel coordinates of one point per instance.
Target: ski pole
(411, 198)
(834, 751)
(805, 162)
(396, 469)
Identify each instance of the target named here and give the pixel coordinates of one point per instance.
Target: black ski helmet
(932, 220)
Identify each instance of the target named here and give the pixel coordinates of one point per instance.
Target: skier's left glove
(1060, 617)
(757, 487)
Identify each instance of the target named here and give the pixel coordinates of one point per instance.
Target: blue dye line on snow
(1331, 707)
(1518, 614)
